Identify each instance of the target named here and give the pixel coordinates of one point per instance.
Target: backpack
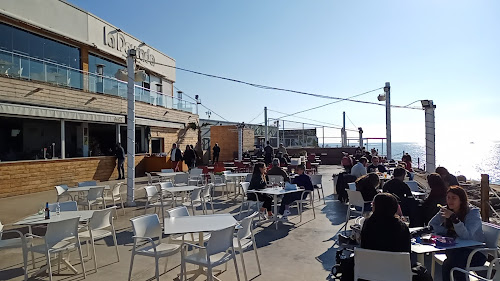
(342, 184)
(344, 265)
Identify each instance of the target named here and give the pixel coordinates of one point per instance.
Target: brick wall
(182, 137)
(24, 177)
(227, 138)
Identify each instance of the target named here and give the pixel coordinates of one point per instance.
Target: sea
(470, 159)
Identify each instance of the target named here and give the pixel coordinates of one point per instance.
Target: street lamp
(430, 135)
(387, 98)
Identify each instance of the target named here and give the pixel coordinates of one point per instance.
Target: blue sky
(447, 51)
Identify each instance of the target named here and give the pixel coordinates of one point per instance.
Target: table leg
(275, 218)
(420, 258)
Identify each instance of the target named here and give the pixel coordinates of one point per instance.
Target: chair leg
(49, 265)
(25, 261)
(300, 211)
(131, 263)
(323, 192)
(59, 259)
(166, 263)
(433, 267)
(183, 265)
(93, 254)
(123, 207)
(243, 263)
(236, 266)
(157, 273)
(81, 260)
(312, 207)
(212, 204)
(257, 257)
(116, 246)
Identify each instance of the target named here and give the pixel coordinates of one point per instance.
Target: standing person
(120, 156)
(195, 155)
(268, 153)
(376, 166)
(282, 149)
(259, 181)
(436, 196)
(189, 157)
(346, 162)
(216, 150)
(175, 157)
(359, 169)
(302, 180)
(459, 219)
(448, 178)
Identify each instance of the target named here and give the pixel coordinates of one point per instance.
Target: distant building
(299, 138)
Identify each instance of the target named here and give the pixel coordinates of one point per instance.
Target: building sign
(116, 40)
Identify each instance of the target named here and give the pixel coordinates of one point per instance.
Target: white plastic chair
(219, 250)
(206, 197)
(309, 199)
(219, 181)
(381, 266)
(115, 197)
(95, 196)
(146, 228)
(60, 237)
(182, 211)
(275, 179)
(195, 176)
(317, 180)
(152, 179)
(96, 229)
(355, 200)
(244, 186)
(248, 178)
(352, 186)
(155, 199)
(21, 242)
(494, 265)
(64, 206)
(181, 179)
(87, 183)
(194, 200)
(62, 192)
(167, 170)
(244, 239)
(491, 233)
(413, 185)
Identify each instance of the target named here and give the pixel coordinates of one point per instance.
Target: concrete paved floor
(297, 251)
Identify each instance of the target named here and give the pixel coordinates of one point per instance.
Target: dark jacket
(303, 181)
(120, 153)
(178, 154)
(371, 168)
(189, 156)
(216, 150)
(277, 171)
(398, 188)
(268, 152)
(257, 183)
(367, 191)
(430, 208)
(385, 234)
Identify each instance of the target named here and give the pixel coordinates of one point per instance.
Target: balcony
(18, 66)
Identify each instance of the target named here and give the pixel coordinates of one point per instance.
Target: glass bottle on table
(47, 211)
(58, 209)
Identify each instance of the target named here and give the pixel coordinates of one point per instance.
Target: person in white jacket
(459, 220)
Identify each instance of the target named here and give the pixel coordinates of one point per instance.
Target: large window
(27, 55)
(105, 78)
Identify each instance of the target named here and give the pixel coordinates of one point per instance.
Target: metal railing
(15, 65)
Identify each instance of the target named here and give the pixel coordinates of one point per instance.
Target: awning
(157, 123)
(44, 112)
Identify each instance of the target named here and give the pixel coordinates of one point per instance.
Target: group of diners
(260, 180)
(446, 209)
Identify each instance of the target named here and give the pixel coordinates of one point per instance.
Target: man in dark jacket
(120, 156)
(216, 150)
(175, 157)
(268, 153)
(302, 181)
(277, 171)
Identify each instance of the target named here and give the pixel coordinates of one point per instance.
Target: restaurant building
(63, 97)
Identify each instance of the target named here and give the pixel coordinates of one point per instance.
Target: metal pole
(387, 90)
(323, 136)
(430, 138)
(240, 142)
(343, 134)
(197, 102)
(130, 127)
(303, 135)
(63, 140)
(265, 125)
(485, 197)
(284, 133)
(360, 130)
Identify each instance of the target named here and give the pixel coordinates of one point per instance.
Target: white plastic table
(421, 249)
(200, 224)
(275, 193)
(237, 179)
(168, 175)
(86, 188)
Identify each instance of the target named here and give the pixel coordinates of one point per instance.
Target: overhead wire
(256, 117)
(301, 118)
(350, 121)
(201, 104)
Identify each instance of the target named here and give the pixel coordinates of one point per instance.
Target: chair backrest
(65, 206)
(413, 185)
(220, 241)
(381, 266)
(87, 183)
(150, 178)
(248, 178)
(60, 189)
(195, 172)
(101, 218)
(355, 198)
(492, 234)
(181, 211)
(295, 161)
(146, 226)
(275, 178)
(167, 170)
(316, 179)
(246, 226)
(352, 185)
(206, 190)
(195, 194)
(116, 189)
(244, 186)
(61, 230)
(95, 192)
(151, 191)
(181, 178)
(166, 184)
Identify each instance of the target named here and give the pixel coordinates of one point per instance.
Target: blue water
(470, 159)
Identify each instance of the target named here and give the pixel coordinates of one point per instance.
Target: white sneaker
(286, 213)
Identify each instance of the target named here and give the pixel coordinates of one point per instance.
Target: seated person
(302, 181)
(276, 170)
(346, 162)
(376, 166)
(282, 159)
(367, 185)
(436, 196)
(359, 169)
(448, 178)
(402, 191)
(459, 219)
(383, 230)
(259, 181)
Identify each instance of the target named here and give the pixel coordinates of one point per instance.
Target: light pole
(387, 97)
(430, 136)
(131, 127)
